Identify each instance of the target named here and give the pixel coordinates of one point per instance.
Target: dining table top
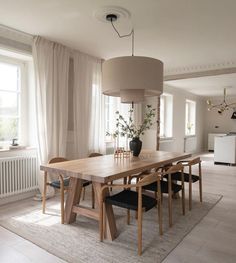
(106, 168)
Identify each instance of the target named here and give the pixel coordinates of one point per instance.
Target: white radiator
(190, 144)
(18, 175)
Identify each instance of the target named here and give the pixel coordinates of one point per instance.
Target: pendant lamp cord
(127, 35)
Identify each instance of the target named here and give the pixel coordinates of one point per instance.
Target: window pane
(8, 128)
(190, 120)
(8, 103)
(162, 116)
(166, 115)
(8, 77)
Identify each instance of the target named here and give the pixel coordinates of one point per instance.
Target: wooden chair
(190, 178)
(133, 200)
(62, 184)
(170, 188)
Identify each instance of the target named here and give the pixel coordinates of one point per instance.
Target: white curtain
(51, 61)
(89, 135)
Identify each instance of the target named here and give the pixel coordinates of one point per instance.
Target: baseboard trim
(17, 197)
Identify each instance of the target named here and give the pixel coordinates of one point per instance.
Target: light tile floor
(212, 240)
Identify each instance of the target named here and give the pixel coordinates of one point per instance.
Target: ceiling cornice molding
(15, 35)
(200, 70)
(227, 68)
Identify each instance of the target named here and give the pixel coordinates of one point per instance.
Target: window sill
(190, 136)
(108, 142)
(166, 139)
(17, 149)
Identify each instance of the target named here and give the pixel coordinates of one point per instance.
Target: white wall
(176, 144)
(216, 123)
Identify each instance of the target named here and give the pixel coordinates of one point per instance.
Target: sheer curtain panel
(88, 104)
(51, 62)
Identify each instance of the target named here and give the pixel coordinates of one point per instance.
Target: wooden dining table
(102, 170)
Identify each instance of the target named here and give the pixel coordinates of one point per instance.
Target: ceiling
(184, 34)
(207, 86)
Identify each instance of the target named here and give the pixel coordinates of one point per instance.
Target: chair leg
(159, 203)
(93, 198)
(44, 191)
(183, 194)
(170, 200)
(62, 199)
(190, 195)
(83, 193)
(200, 182)
(140, 214)
(128, 216)
(190, 188)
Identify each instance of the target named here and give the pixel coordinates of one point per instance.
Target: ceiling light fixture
(223, 106)
(131, 77)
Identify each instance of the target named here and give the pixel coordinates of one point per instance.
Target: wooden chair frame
(154, 177)
(62, 188)
(189, 164)
(168, 170)
(173, 169)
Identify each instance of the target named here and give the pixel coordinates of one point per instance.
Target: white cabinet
(225, 149)
(211, 140)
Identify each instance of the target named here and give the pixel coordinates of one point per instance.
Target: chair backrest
(95, 154)
(194, 161)
(148, 179)
(57, 160)
(175, 168)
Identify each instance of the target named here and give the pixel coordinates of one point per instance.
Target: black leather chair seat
(177, 177)
(164, 187)
(129, 199)
(56, 184)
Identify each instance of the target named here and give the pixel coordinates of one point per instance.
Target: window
(113, 104)
(166, 115)
(190, 117)
(11, 75)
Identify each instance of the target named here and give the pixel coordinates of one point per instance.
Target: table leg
(73, 198)
(111, 223)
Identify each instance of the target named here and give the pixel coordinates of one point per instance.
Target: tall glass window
(10, 92)
(166, 115)
(190, 117)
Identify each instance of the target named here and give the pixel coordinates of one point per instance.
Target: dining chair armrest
(184, 162)
(141, 175)
(163, 168)
(136, 176)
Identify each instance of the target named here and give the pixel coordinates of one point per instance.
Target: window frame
(168, 116)
(111, 105)
(190, 105)
(22, 99)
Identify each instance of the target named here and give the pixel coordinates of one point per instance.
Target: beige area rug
(79, 242)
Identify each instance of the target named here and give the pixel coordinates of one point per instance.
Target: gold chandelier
(222, 106)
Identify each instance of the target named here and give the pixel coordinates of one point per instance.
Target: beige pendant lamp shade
(132, 78)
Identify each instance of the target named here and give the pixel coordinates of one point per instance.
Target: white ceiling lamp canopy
(131, 77)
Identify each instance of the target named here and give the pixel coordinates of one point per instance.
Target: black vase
(135, 146)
